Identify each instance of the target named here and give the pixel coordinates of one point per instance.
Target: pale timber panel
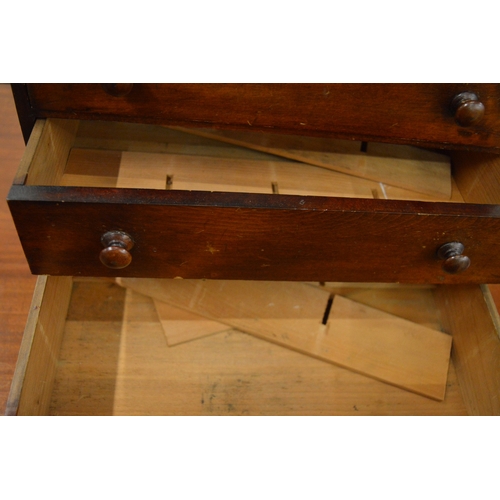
(29, 152)
(100, 168)
(92, 168)
(389, 348)
(291, 314)
(477, 176)
(414, 303)
(406, 167)
(126, 368)
(468, 313)
(32, 384)
(144, 138)
(48, 160)
(182, 326)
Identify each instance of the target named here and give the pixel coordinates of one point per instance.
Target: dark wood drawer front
(263, 237)
(407, 113)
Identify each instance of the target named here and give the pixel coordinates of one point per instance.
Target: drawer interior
(112, 154)
(109, 154)
(128, 155)
(114, 359)
(92, 347)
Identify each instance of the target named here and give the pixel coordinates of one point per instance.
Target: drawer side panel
(31, 387)
(474, 325)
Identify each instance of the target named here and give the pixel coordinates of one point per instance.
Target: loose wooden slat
(154, 139)
(144, 138)
(181, 326)
(401, 166)
(290, 314)
(469, 314)
(414, 303)
(288, 307)
(388, 348)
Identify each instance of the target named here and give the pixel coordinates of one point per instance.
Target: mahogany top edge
(128, 196)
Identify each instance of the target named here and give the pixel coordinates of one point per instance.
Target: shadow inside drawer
(85, 381)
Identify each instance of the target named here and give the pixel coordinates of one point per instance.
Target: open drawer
(82, 185)
(92, 347)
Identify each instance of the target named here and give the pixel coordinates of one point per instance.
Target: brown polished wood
(193, 234)
(118, 89)
(25, 112)
(400, 113)
(467, 108)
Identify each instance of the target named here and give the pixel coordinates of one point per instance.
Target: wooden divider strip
(297, 316)
(401, 166)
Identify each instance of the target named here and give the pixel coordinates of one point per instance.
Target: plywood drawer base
(94, 348)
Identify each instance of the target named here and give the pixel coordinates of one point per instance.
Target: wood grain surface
(403, 166)
(37, 364)
(16, 282)
(197, 235)
(115, 361)
(476, 345)
(204, 170)
(404, 113)
(301, 317)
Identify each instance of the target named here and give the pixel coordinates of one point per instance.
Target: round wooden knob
(116, 253)
(117, 89)
(467, 108)
(454, 261)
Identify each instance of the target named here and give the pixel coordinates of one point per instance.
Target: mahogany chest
(102, 228)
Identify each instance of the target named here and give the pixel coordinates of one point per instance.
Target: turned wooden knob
(467, 108)
(117, 89)
(454, 261)
(116, 253)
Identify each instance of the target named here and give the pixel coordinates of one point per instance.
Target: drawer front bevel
(254, 237)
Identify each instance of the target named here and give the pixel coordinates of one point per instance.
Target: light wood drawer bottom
(93, 348)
